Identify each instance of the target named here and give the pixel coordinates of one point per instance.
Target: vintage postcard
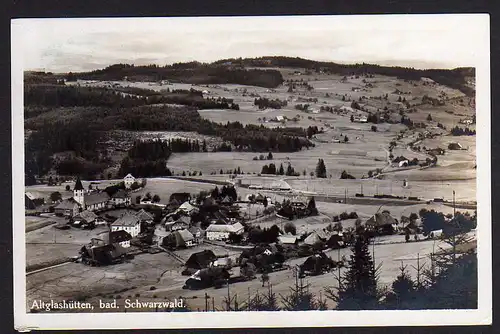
(251, 171)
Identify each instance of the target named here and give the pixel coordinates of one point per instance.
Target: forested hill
(454, 78)
(192, 73)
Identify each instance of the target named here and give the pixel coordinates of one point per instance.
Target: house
(280, 118)
(121, 198)
(360, 119)
(106, 249)
(128, 181)
(455, 146)
(221, 232)
(180, 223)
(67, 208)
(145, 217)
(201, 260)
(85, 218)
(180, 197)
(287, 239)
(436, 234)
(196, 232)
(29, 203)
(187, 208)
(184, 238)
(315, 237)
(129, 223)
(403, 163)
(383, 223)
(336, 241)
(226, 200)
(317, 264)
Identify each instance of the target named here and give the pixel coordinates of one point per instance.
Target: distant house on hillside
(128, 181)
(403, 163)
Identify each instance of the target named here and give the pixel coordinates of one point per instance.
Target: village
(213, 238)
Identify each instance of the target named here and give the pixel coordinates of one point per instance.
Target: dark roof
(182, 237)
(95, 198)
(121, 194)
(180, 197)
(144, 216)
(381, 219)
(78, 185)
(126, 220)
(201, 259)
(112, 237)
(67, 204)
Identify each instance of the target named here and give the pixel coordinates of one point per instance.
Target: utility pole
(454, 204)
(361, 188)
(345, 195)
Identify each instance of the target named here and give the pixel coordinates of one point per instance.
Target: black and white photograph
(240, 171)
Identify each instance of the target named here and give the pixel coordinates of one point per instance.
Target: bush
(353, 215)
(152, 288)
(290, 228)
(374, 128)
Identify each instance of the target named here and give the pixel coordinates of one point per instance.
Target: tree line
(193, 73)
(122, 97)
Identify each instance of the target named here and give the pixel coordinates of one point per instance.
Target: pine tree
(358, 288)
(300, 298)
(281, 170)
(321, 169)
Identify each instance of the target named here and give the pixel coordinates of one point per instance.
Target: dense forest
(193, 73)
(61, 95)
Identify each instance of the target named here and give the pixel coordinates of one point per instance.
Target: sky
(420, 41)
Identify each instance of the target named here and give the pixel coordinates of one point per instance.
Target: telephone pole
(345, 195)
(453, 203)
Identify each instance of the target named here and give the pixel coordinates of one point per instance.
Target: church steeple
(79, 193)
(78, 184)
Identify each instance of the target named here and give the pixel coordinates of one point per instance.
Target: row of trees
(457, 131)
(271, 169)
(264, 103)
(193, 73)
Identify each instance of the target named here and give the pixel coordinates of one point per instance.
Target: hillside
(235, 71)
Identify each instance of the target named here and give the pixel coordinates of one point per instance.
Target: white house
(128, 181)
(403, 163)
(129, 223)
(221, 232)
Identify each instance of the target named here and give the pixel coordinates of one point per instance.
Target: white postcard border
(483, 315)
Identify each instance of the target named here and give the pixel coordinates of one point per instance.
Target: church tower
(79, 193)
